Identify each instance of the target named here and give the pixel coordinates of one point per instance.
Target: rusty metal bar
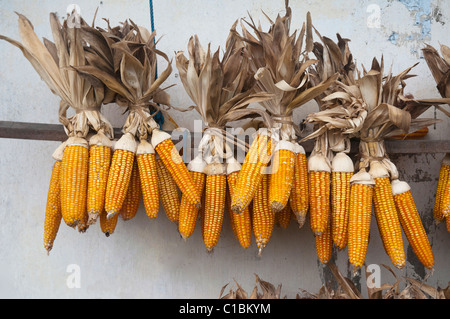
(55, 132)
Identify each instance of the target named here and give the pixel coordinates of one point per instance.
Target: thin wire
(152, 24)
(159, 118)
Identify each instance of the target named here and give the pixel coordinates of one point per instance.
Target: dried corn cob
(168, 191)
(324, 245)
(299, 200)
(342, 172)
(215, 193)
(444, 205)
(241, 223)
(361, 197)
(387, 216)
(74, 176)
(263, 218)
(99, 163)
(283, 217)
(132, 200)
(319, 176)
(188, 212)
(444, 174)
(169, 155)
(251, 173)
(411, 223)
(282, 175)
(108, 225)
(145, 157)
(120, 174)
(53, 214)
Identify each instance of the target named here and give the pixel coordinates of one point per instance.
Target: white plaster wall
(147, 258)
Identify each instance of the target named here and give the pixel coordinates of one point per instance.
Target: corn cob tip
(356, 269)
(301, 219)
(317, 233)
(110, 214)
(92, 217)
(276, 206)
(82, 227)
(260, 249)
(48, 247)
(237, 209)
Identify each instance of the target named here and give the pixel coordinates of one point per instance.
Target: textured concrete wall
(147, 258)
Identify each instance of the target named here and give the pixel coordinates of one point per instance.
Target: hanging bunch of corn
(339, 119)
(281, 68)
(130, 72)
(221, 89)
(439, 66)
(390, 113)
(54, 62)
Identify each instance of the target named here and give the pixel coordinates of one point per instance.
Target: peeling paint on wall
(422, 10)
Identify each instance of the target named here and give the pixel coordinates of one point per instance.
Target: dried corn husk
(281, 65)
(439, 66)
(391, 112)
(125, 61)
(221, 89)
(340, 114)
(54, 61)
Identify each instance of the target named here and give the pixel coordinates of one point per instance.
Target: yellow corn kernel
(388, 221)
(83, 225)
(168, 191)
(118, 180)
(263, 218)
(324, 245)
(251, 172)
(299, 200)
(241, 223)
(445, 203)
(283, 217)
(319, 204)
(444, 174)
(177, 168)
(149, 183)
(74, 177)
(108, 225)
(132, 200)
(215, 192)
(361, 197)
(99, 163)
(282, 179)
(53, 214)
(340, 204)
(413, 228)
(188, 212)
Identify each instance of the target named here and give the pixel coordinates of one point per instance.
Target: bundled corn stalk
(86, 130)
(330, 168)
(390, 113)
(130, 71)
(280, 64)
(221, 89)
(440, 69)
(268, 291)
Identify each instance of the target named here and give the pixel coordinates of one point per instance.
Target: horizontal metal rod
(55, 132)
